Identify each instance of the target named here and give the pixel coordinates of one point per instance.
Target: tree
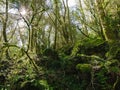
(111, 34)
(5, 24)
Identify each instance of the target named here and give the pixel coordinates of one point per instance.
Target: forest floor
(81, 67)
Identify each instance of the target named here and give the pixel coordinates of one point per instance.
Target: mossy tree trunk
(56, 22)
(5, 27)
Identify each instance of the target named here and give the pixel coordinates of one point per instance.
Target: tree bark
(5, 27)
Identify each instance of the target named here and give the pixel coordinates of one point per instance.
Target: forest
(59, 44)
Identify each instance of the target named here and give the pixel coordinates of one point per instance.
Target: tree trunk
(4, 29)
(110, 35)
(56, 22)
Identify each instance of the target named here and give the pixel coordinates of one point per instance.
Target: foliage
(85, 68)
(48, 45)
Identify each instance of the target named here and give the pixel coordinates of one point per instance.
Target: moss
(84, 67)
(91, 47)
(112, 66)
(28, 85)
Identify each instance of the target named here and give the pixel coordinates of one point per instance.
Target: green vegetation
(48, 45)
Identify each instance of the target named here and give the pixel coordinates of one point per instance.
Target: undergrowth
(81, 67)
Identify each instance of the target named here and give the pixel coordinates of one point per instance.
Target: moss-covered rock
(86, 68)
(91, 47)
